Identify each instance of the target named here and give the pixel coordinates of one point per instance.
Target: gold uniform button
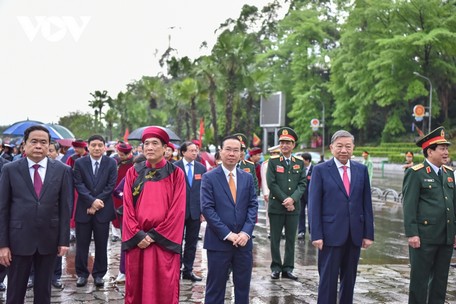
(289, 180)
(446, 197)
(448, 209)
(430, 187)
(448, 221)
(289, 188)
(425, 222)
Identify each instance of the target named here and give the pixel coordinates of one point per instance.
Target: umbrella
(66, 142)
(18, 128)
(63, 131)
(137, 134)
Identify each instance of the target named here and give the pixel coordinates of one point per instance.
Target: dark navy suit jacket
(222, 214)
(193, 193)
(90, 189)
(29, 222)
(332, 213)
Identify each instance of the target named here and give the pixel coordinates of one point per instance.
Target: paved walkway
(383, 283)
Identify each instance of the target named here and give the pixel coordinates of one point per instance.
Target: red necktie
(346, 180)
(37, 182)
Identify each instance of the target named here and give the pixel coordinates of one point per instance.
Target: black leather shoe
(301, 235)
(30, 283)
(99, 282)
(191, 276)
(275, 275)
(57, 284)
(2, 286)
(289, 275)
(81, 282)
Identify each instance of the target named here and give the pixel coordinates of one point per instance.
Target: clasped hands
(145, 242)
(238, 239)
(96, 205)
(288, 203)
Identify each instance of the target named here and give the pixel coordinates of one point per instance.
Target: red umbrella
(66, 142)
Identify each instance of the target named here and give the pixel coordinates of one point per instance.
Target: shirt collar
(434, 167)
(186, 162)
(42, 163)
(226, 171)
(95, 160)
(339, 164)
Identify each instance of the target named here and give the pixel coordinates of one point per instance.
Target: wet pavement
(383, 273)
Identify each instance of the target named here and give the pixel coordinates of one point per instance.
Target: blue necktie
(190, 174)
(96, 169)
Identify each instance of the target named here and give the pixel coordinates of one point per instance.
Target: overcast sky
(54, 53)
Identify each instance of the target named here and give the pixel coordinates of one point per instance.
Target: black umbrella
(137, 134)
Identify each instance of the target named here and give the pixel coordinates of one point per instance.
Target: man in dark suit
(193, 171)
(429, 219)
(307, 158)
(341, 218)
(3, 269)
(229, 205)
(36, 195)
(94, 179)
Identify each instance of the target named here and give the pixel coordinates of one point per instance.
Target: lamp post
(430, 97)
(323, 129)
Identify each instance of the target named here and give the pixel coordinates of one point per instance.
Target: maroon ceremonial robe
(70, 162)
(122, 168)
(152, 274)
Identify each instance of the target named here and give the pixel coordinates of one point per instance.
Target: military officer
(247, 165)
(286, 178)
(429, 219)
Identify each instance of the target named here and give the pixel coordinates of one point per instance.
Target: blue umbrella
(18, 129)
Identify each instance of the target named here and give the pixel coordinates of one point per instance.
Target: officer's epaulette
(250, 162)
(298, 157)
(274, 156)
(448, 167)
(418, 167)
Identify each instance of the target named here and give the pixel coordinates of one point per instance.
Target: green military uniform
(284, 180)
(429, 204)
(247, 165)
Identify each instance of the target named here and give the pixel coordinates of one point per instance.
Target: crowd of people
(154, 197)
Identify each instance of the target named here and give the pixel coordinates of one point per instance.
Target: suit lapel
(25, 173)
(47, 179)
(224, 183)
(334, 171)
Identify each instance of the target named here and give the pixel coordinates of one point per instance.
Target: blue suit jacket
(90, 189)
(193, 193)
(332, 213)
(222, 214)
(29, 222)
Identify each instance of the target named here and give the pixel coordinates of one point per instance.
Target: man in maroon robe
(124, 160)
(153, 223)
(80, 150)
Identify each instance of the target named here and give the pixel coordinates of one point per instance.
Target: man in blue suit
(341, 218)
(36, 193)
(229, 205)
(194, 172)
(94, 178)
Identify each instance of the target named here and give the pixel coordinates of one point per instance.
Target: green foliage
(81, 124)
(353, 60)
